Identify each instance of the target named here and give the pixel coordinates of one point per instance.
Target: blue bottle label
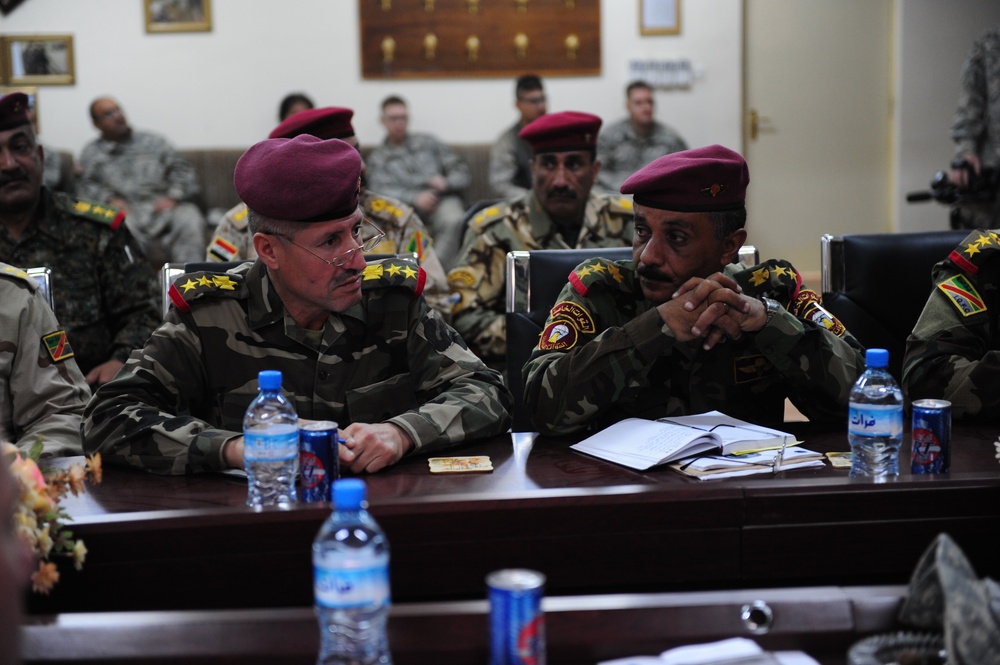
(275, 444)
(875, 420)
(359, 587)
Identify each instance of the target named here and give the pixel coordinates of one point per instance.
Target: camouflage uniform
(388, 359)
(479, 277)
(954, 350)
(606, 354)
(42, 392)
(104, 289)
(404, 233)
(976, 126)
(140, 170)
(510, 164)
(623, 152)
(402, 171)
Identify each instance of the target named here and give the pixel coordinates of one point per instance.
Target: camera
(982, 188)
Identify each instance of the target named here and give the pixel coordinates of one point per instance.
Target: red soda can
(931, 436)
(318, 460)
(517, 625)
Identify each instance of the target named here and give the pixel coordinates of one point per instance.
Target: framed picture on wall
(37, 59)
(660, 17)
(32, 93)
(178, 15)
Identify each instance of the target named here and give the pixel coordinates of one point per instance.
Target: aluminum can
(931, 436)
(318, 460)
(517, 625)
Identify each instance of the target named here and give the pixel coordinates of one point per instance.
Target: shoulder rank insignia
(237, 217)
(58, 346)
(394, 272)
(774, 279)
(620, 204)
(597, 271)
(382, 209)
(963, 295)
(489, 216)
(95, 212)
(977, 248)
(191, 286)
(17, 273)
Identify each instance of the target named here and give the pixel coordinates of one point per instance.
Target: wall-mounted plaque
(479, 38)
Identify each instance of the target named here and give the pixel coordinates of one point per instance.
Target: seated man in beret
(355, 344)
(954, 350)
(559, 212)
(404, 230)
(681, 330)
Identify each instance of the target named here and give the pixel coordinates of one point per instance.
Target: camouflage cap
(302, 179)
(562, 132)
(13, 110)
(331, 122)
(699, 180)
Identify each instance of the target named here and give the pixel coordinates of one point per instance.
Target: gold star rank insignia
(616, 273)
(983, 241)
(394, 269)
(409, 272)
(973, 248)
(224, 282)
(204, 281)
(188, 285)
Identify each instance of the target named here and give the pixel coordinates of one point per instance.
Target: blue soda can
(931, 436)
(517, 625)
(318, 460)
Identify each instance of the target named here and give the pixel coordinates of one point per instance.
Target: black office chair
(877, 284)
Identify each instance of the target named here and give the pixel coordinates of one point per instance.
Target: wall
(222, 88)
(934, 38)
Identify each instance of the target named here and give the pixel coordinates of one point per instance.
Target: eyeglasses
(340, 260)
(539, 99)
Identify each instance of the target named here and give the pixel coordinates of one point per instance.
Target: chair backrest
(877, 284)
(534, 280)
(43, 276)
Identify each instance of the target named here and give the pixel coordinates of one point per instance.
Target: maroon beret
(327, 123)
(562, 132)
(304, 179)
(14, 111)
(698, 180)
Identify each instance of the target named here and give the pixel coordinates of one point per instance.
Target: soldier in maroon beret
(559, 212)
(681, 328)
(355, 341)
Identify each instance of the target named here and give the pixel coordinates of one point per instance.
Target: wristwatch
(771, 307)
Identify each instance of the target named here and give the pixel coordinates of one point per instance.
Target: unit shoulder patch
(91, 210)
(394, 272)
(558, 336)
(57, 344)
(963, 295)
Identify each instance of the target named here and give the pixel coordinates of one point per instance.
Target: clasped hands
(713, 309)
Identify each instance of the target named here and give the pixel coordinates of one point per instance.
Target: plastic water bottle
(875, 420)
(351, 581)
(270, 445)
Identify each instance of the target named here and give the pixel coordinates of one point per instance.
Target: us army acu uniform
(603, 327)
(479, 278)
(104, 289)
(389, 358)
(140, 170)
(42, 392)
(623, 152)
(404, 233)
(976, 126)
(510, 164)
(954, 350)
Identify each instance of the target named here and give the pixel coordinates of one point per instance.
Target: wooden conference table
(593, 527)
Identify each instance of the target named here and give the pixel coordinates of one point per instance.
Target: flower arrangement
(38, 518)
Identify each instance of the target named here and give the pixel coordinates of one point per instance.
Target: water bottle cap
(269, 379)
(876, 358)
(348, 494)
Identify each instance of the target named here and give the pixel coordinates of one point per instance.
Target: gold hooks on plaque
(472, 47)
(386, 5)
(430, 45)
(473, 6)
(522, 6)
(521, 44)
(570, 4)
(572, 46)
(388, 48)
(428, 5)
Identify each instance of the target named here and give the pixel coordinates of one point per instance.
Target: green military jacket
(606, 354)
(479, 278)
(954, 350)
(389, 358)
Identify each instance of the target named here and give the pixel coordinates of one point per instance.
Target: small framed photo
(32, 93)
(659, 17)
(178, 15)
(37, 59)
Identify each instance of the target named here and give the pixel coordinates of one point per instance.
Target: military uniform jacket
(477, 282)
(606, 354)
(510, 164)
(389, 359)
(954, 350)
(623, 152)
(104, 289)
(42, 392)
(405, 233)
(142, 168)
(403, 170)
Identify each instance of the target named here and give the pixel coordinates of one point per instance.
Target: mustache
(15, 176)
(654, 275)
(563, 193)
